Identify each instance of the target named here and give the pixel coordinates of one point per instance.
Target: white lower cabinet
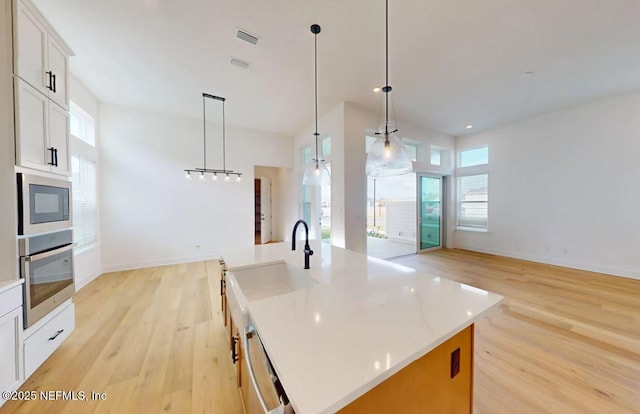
(11, 374)
(46, 336)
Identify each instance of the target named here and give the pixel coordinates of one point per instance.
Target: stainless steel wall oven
(46, 264)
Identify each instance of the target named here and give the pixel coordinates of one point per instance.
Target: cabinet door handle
(54, 89)
(234, 352)
(55, 156)
(56, 335)
(53, 160)
(50, 85)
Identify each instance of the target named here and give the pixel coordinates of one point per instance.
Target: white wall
(87, 260)
(356, 122)
(289, 204)
(151, 214)
(8, 254)
(563, 187)
(279, 187)
(401, 220)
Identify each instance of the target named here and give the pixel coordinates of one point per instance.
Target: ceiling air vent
(239, 63)
(247, 37)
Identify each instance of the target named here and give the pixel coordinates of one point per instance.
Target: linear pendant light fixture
(388, 155)
(201, 172)
(316, 173)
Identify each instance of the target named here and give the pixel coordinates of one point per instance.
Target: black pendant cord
(315, 29)
(315, 48)
(204, 129)
(387, 87)
(224, 139)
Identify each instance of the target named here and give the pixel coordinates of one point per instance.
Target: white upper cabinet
(41, 57)
(59, 139)
(32, 110)
(58, 68)
(42, 131)
(31, 41)
(41, 97)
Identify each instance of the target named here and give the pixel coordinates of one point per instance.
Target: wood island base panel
(426, 385)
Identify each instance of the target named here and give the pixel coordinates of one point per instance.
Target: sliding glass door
(430, 191)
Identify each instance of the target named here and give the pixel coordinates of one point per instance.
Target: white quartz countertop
(364, 321)
(8, 284)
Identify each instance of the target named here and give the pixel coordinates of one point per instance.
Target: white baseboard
(80, 283)
(154, 263)
(631, 274)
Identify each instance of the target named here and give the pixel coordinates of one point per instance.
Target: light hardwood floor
(151, 339)
(565, 341)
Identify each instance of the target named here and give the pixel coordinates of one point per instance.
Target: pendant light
(387, 155)
(202, 172)
(316, 172)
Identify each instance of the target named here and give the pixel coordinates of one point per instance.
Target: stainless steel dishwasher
(266, 394)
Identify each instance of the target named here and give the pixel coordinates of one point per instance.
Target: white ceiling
(453, 62)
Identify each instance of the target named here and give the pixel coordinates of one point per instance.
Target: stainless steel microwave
(44, 204)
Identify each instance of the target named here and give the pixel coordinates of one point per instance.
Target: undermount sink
(251, 283)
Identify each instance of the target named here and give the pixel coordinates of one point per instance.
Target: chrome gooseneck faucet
(307, 250)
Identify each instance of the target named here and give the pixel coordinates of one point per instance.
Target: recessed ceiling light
(376, 90)
(469, 126)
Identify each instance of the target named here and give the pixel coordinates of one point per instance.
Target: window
(83, 176)
(305, 201)
(412, 150)
(81, 124)
(306, 155)
(473, 201)
(473, 156)
(435, 157)
(326, 147)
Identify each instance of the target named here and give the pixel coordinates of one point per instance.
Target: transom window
(81, 124)
(473, 156)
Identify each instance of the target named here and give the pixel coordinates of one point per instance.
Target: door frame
(443, 210)
(266, 180)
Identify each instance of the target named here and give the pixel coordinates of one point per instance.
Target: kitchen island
(370, 336)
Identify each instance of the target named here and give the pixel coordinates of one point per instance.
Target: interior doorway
(262, 208)
(274, 206)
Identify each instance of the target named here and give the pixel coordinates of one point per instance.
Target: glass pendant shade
(316, 174)
(388, 158)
